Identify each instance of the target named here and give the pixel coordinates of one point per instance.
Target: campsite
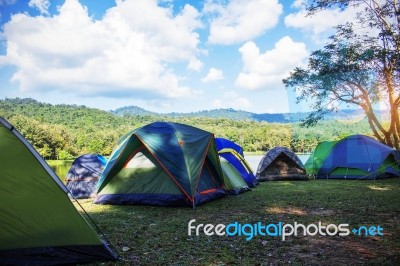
(154, 233)
(207, 133)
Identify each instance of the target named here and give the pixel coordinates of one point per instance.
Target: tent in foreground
(164, 164)
(84, 174)
(280, 163)
(39, 223)
(354, 157)
(233, 154)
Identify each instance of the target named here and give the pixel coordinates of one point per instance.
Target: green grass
(158, 235)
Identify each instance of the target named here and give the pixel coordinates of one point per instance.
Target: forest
(67, 131)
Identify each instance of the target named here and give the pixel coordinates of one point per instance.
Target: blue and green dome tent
(83, 175)
(354, 157)
(233, 154)
(164, 164)
(223, 143)
(39, 225)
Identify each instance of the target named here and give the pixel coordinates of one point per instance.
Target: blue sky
(164, 56)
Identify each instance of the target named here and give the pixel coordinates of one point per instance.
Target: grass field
(147, 235)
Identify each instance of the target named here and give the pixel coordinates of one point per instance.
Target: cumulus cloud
(321, 24)
(231, 99)
(41, 5)
(266, 70)
(213, 74)
(241, 20)
(195, 64)
(126, 52)
(298, 3)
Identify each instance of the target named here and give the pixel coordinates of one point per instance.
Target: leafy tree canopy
(359, 66)
(67, 131)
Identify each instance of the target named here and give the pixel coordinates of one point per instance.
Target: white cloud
(241, 20)
(195, 64)
(128, 52)
(231, 99)
(41, 5)
(319, 25)
(266, 70)
(298, 3)
(213, 74)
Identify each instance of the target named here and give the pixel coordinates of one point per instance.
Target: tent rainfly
(164, 164)
(39, 225)
(233, 181)
(84, 174)
(233, 154)
(280, 163)
(354, 157)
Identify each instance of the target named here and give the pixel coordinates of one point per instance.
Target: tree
(359, 66)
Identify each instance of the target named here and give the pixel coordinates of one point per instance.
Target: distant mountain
(132, 110)
(230, 113)
(65, 131)
(217, 113)
(31, 107)
(243, 115)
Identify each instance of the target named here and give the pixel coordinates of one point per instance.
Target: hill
(65, 131)
(132, 110)
(230, 113)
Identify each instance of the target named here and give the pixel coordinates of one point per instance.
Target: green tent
(38, 222)
(233, 180)
(354, 157)
(163, 164)
(317, 158)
